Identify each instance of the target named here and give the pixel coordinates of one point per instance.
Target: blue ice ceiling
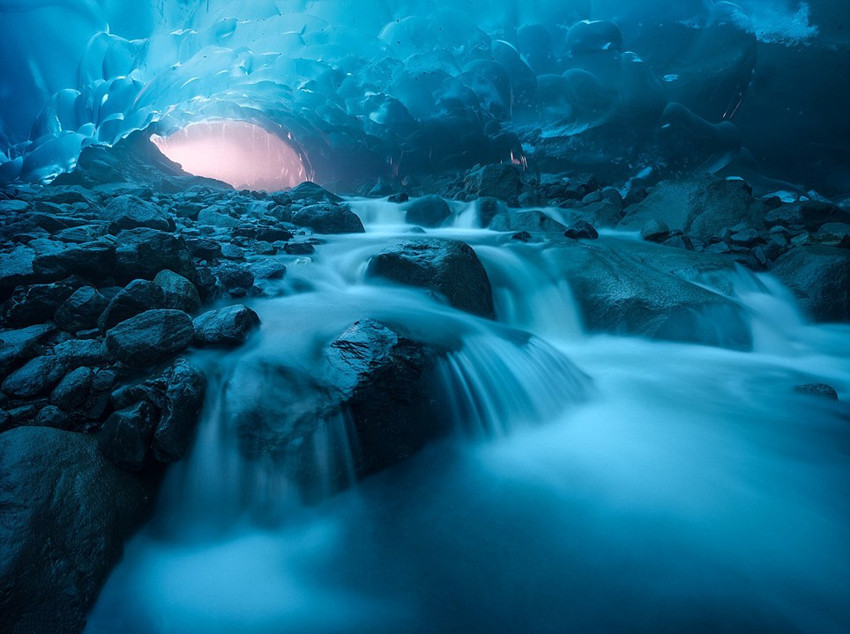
(375, 88)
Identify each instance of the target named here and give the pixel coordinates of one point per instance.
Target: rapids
(595, 482)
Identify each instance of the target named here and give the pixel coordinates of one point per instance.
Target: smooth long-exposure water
(594, 483)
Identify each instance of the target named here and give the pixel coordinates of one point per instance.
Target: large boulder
(820, 278)
(328, 218)
(130, 212)
(184, 389)
(634, 288)
(150, 337)
(380, 380)
(428, 211)
(81, 310)
(309, 192)
(66, 514)
(37, 303)
(144, 252)
(810, 214)
(178, 292)
(532, 221)
(91, 260)
(126, 436)
(499, 181)
(36, 377)
(701, 207)
(229, 326)
(137, 297)
(447, 267)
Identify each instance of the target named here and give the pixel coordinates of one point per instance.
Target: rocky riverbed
(110, 292)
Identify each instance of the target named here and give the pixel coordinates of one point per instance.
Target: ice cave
(330, 316)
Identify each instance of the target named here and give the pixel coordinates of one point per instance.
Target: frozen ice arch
(237, 152)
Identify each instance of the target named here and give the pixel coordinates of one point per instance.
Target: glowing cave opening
(236, 152)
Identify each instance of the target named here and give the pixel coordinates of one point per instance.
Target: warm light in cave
(236, 152)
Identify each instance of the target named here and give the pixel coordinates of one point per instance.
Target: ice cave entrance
(237, 152)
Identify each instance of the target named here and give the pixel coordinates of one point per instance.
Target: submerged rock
(428, 211)
(447, 267)
(328, 218)
(66, 514)
(185, 388)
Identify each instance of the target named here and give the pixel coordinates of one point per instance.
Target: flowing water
(594, 482)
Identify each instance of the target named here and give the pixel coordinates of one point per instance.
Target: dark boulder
(428, 211)
(18, 346)
(533, 221)
(66, 514)
(328, 218)
(810, 214)
(820, 390)
(236, 279)
(76, 352)
(204, 248)
(499, 181)
(142, 253)
(126, 436)
(36, 377)
(582, 230)
(384, 381)
(299, 248)
(820, 278)
(92, 260)
(135, 298)
(185, 388)
(37, 303)
(150, 337)
(130, 212)
(654, 230)
(52, 416)
(229, 326)
(178, 292)
(701, 207)
(72, 392)
(447, 267)
(309, 192)
(81, 310)
(268, 269)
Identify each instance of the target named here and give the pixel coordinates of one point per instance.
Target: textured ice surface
(372, 89)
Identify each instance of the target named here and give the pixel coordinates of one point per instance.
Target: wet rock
(72, 392)
(183, 400)
(137, 297)
(264, 248)
(16, 267)
(810, 214)
(92, 260)
(522, 236)
(230, 251)
(76, 352)
(151, 337)
(327, 218)
(204, 248)
(299, 248)
(499, 181)
(654, 230)
(216, 216)
(834, 234)
(582, 230)
(679, 241)
(36, 304)
(177, 292)
(428, 211)
(126, 435)
(384, 382)
(637, 289)
(310, 193)
(267, 269)
(236, 279)
(18, 346)
(81, 310)
(821, 390)
(820, 278)
(532, 221)
(488, 208)
(229, 326)
(700, 207)
(142, 253)
(66, 514)
(130, 212)
(36, 377)
(272, 234)
(447, 267)
(398, 198)
(52, 416)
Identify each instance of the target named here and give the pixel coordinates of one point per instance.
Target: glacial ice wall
(373, 88)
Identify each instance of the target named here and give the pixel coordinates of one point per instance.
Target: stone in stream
(820, 390)
(820, 278)
(532, 221)
(66, 514)
(498, 180)
(582, 230)
(177, 291)
(150, 337)
(447, 267)
(184, 390)
(428, 211)
(135, 298)
(309, 192)
(126, 436)
(328, 218)
(229, 326)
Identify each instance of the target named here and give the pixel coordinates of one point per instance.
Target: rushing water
(595, 483)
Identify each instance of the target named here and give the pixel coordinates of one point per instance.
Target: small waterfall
(495, 385)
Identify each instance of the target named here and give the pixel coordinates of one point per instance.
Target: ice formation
(370, 89)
